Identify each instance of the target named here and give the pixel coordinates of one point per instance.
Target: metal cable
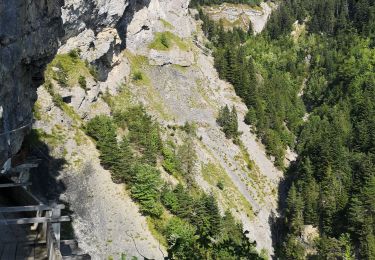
(17, 129)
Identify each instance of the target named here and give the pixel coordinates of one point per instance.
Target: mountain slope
(177, 83)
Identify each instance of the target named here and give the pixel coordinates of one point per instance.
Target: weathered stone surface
(29, 32)
(174, 56)
(81, 15)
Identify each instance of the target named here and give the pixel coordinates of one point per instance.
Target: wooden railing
(36, 213)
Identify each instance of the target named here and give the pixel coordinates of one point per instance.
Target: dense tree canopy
(314, 92)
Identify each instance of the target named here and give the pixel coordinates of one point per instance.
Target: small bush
(171, 163)
(82, 82)
(56, 98)
(220, 185)
(36, 111)
(137, 76)
(75, 53)
(164, 40)
(190, 128)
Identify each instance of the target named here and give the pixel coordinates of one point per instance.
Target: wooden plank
(9, 251)
(11, 185)
(29, 208)
(22, 221)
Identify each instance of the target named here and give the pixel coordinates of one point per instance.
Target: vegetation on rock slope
(331, 66)
(188, 219)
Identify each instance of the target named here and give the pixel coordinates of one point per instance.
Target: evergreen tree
(122, 170)
(145, 189)
(294, 211)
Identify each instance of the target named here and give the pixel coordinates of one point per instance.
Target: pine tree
(233, 124)
(187, 157)
(310, 194)
(251, 95)
(327, 201)
(122, 170)
(145, 189)
(214, 214)
(294, 211)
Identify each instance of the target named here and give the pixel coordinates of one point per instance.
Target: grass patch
(224, 187)
(80, 137)
(68, 69)
(156, 103)
(246, 156)
(140, 78)
(138, 63)
(71, 113)
(166, 24)
(163, 41)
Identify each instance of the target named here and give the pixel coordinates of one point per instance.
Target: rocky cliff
(30, 35)
(29, 32)
(118, 38)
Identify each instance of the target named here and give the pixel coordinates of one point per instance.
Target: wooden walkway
(30, 229)
(16, 241)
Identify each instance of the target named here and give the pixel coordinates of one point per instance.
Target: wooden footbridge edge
(29, 213)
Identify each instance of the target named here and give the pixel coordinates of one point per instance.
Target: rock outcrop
(29, 32)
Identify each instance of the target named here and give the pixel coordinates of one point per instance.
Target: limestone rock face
(79, 15)
(97, 28)
(30, 35)
(29, 32)
(174, 56)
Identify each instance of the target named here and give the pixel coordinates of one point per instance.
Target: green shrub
(181, 238)
(164, 40)
(75, 53)
(171, 163)
(36, 111)
(220, 185)
(61, 76)
(137, 76)
(82, 82)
